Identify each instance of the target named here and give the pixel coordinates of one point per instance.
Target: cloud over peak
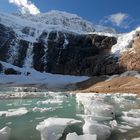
(25, 6)
(121, 20)
(118, 18)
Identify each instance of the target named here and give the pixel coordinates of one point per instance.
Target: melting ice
(64, 116)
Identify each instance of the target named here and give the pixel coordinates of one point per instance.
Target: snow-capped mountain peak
(60, 20)
(53, 20)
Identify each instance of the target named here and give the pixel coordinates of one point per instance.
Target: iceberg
(95, 105)
(53, 128)
(5, 133)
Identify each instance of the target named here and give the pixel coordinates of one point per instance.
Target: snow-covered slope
(125, 41)
(53, 20)
(35, 77)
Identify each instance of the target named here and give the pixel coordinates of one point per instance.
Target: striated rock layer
(60, 52)
(62, 44)
(130, 60)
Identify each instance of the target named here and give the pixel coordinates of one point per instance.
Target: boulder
(11, 71)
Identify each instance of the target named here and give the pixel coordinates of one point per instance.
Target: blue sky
(123, 15)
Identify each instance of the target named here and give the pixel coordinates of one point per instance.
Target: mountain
(51, 21)
(62, 43)
(51, 42)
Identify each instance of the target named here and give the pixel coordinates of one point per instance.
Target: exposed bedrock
(67, 53)
(60, 52)
(130, 60)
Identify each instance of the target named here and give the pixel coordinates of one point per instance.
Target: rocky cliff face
(60, 52)
(51, 43)
(71, 53)
(130, 60)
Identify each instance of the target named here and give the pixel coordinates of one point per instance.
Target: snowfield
(124, 42)
(35, 77)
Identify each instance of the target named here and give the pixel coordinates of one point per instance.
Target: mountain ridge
(62, 43)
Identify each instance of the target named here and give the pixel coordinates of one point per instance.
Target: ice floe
(5, 133)
(92, 127)
(14, 112)
(74, 136)
(42, 110)
(95, 105)
(51, 101)
(136, 138)
(53, 128)
(120, 127)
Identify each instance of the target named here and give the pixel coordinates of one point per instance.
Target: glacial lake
(22, 109)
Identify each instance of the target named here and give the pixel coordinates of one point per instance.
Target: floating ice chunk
(132, 117)
(131, 120)
(51, 101)
(14, 112)
(132, 113)
(74, 136)
(95, 117)
(113, 124)
(5, 133)
(40, 118)
(41, 110)
(8, 123)
(136, 138)
(52, 128)
(122, 128)
(94, 105)
(92, 127)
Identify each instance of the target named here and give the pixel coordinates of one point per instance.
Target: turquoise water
(24, 127)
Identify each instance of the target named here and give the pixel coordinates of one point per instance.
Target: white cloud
(118, 18)
(121, 20)
(25, 6)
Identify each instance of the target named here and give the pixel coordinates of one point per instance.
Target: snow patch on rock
(124, 42)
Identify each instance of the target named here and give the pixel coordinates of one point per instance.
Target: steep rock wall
(60, 52)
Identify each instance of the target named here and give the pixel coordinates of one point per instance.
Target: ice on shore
(5, 133)
(53, 128)
(74, 136)
(14, 112)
